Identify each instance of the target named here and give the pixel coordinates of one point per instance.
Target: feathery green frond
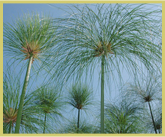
(148, 91)
(29, 35)
(48, 102)
(122, 32)
(110, 37)
(71, 127)
(123, 117)
(80, 96)
(11, 98)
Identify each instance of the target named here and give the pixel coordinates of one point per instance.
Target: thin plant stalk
(12, 88)
(10, 128)
(19, 115)
(78, 120)
(102, 93)
(152, 117)
(44, 123)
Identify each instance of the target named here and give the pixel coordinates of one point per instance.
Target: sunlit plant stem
(19, 115)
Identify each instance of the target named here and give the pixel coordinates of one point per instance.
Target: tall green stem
(152, 117)
(78, 120)
(10, 127)
(19, 115)
(102, 93)
(44, 124)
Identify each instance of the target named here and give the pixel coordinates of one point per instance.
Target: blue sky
(12, 11)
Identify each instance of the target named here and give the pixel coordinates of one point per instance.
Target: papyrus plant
(107, 38)
(29, 39)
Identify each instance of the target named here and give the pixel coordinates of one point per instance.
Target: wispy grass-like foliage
(148, 91)
(48, 102)
(11, 97)
(107, 38)
(123, 33)
(29, 37)
(71, 127)
(123, 117)
(80, 97)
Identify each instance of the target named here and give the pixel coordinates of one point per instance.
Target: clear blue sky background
(12, 11)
